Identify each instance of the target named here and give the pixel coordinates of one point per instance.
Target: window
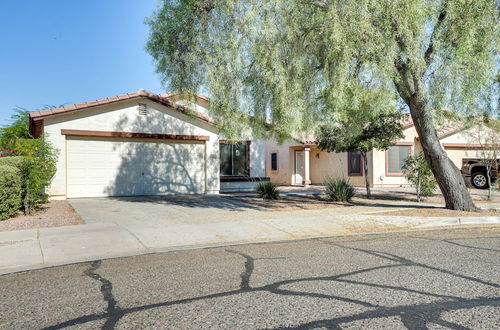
(234, 159)
(354, 163)
(274, 161)
(395, 158)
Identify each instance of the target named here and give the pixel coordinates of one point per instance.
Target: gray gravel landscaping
(53, 214)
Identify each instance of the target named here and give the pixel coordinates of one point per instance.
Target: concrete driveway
(162, 210)
(165, 221)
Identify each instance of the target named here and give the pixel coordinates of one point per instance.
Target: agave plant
(267, 190)
(339, 189)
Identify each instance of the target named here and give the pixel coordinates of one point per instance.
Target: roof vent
(143, 109)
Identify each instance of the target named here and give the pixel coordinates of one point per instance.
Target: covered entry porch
(304, 164)
(312, 166)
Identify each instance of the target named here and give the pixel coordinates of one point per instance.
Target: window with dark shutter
(274, 161)
(354, 163)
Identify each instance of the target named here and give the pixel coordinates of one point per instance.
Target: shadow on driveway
(191, 201)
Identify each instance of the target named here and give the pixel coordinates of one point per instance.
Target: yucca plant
(267, 190)
(339, 190)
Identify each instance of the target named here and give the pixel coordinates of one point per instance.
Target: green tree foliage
(35, 158)
(418, 173)
(296, 61)
(363, 132)
(17, 129)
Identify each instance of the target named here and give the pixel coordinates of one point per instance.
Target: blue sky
(54, 52)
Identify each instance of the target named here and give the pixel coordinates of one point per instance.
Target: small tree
(37, 161)
(17, 129)
(418, 173)
(361, 133)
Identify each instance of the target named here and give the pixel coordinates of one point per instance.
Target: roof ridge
(159, 98)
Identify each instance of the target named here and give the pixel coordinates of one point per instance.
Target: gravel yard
(53, 214)
(431, 207)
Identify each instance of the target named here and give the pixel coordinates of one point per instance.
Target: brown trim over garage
(76, 132)
(467, 146)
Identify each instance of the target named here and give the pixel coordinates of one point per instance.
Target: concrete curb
(489, 222)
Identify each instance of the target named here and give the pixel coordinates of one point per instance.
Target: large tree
(293, 61)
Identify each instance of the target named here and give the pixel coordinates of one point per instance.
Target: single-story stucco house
(142, 143)
(300, 162)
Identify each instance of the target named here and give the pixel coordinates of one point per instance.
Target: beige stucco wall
(125, 118)
(468, 138)
(326, 165)
(380, 176)
(257, 158)
(286, 165)
(323, 165)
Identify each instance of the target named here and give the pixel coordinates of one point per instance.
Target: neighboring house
(300, 162)
(145, 144)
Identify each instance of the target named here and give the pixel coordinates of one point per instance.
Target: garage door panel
(107, 167)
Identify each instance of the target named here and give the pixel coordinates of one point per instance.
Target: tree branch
(429, 53)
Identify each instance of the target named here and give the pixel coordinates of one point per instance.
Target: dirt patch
(290, 203)
(437, 212)
(360, 204)
(410, 196)
(53, 214)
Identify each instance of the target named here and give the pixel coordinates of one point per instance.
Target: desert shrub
(267, 190)
(10, 191)
(37, 165)
(339, 189)
(418, 173)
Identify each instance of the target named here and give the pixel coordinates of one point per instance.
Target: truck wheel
(479, 180)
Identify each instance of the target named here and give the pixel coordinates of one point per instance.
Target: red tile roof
(446, 129)
(164, 99)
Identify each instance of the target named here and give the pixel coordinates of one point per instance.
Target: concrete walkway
(153, 226)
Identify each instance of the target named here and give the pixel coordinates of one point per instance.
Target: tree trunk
(367, 181)
(488, 175)
(419, 187)
(448, 176)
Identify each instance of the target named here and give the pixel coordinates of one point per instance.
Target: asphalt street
(415, 280)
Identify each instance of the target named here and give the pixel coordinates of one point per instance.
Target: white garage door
(98, 167)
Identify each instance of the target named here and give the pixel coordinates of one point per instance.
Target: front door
(299, 167)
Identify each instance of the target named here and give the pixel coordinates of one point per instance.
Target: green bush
(267, 190)
(37, 166)
(12, 161)
(339, 190)
(10, 191)
(418, 173)
(36, 159)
